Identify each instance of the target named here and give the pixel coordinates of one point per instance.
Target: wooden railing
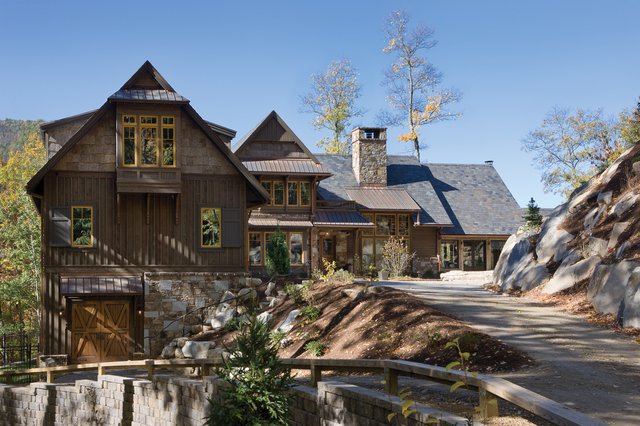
(490, 389)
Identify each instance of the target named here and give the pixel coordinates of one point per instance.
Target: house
(452, 216)
(149, 215)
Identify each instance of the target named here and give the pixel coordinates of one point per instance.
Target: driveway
(583, 366)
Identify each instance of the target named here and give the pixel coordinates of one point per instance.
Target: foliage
(462, 363)
(570, 147)
(310, 313)
(408, 405)
(14, 134)
(396, 257)
(277, 260)
(20, 259)
(630, 126)
(332, 99)
(343, 275)
(259, 384)
(532, 218)
(294, 291)
(413, 84)
(315, 348)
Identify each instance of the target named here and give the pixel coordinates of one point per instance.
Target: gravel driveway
(583, 366)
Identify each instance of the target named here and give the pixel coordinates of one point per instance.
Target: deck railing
(490, 389)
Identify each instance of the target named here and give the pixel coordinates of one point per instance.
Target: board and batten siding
(424, 241)
(148, 233)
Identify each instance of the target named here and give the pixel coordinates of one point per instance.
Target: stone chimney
(369, 155)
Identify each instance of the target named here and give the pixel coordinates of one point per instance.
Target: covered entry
(103, 317)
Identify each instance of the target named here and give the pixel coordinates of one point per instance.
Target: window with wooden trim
(268, 185)
(295, 248)
(267, 241)
(278, 193)
(385, 224)
(371, 230)
(255, 248)
(148, 141)
(292, 193)
(305, 193)
(210, 227)
(403, 225)
(81, 226)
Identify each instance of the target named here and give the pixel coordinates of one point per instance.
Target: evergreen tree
(258, 391)
(277, 260)
(532, 217)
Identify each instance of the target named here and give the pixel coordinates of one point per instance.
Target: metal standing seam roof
(383, 198)
(341, 219)
(101, 285)
(152, 95)
(271, 220)
(302, 167)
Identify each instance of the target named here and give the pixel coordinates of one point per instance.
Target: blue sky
(512, 60)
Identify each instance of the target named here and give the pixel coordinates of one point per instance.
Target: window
(210, 227)
(148, 141)
(305, 193)
(81, 226)
(278, 193)
(473, 255)
(269, 187)
(267, 241)
(255, 248)
(367, 253)
(371, 230)
(385, 224)
(168, 142)
(403, 225)
(292, 193)
(496, 249)
(295, 248)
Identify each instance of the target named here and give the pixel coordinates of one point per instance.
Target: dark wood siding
(149, 233)
(424, 241)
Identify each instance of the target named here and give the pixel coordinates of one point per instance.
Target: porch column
(313, 249)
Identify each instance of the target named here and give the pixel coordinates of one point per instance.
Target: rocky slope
(591, 241)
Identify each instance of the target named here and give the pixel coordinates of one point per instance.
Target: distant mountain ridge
(14, 134)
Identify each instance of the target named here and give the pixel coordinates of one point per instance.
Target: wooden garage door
(100, 330)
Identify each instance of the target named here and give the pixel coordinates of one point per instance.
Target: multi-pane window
(81, 226)
(403, 225)
(210, 227)
(255, 248)
(295, 248)
(292, 193)
(148, 141)
(278, 193)
(305, 193)
(370, 230)
(386, 225)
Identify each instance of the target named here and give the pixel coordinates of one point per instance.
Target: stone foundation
(423, 266)
(171, 297)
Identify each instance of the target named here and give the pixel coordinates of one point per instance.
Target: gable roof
(382, 198)
(34, 185)
(462, 198)
(246, 140)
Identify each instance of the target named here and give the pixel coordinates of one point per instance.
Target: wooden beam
(391, 381)
(488, 404)
(148, 208)
(178, 207)
(118, 208)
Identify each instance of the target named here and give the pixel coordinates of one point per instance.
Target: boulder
(631, 314)
(227, 297)
(287, 324)
(273, 301)
(271, 289)
(265, 317)
(352, 293)
(527, 276)
(636, 167)
(196, 350)
(618, 229)
(553, 245)
(180, 341)
(623, 247)
(569, 275)
(514, 251)
(597, 247)
(247, 294)
(178, 354)
(605, 198)
(607, 288)
(221, 319)
(592, 218)
(168, 352)
(625, 202)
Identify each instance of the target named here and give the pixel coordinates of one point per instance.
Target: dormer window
(141, 143)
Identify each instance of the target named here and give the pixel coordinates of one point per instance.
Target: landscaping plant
(277, 260)
(396, 257)
(315, 347)
(258, 384)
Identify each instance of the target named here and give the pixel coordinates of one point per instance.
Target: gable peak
(147, 77)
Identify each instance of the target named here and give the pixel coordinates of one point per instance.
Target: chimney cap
(489, 162)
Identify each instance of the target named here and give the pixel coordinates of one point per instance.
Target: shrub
(315, 347)
(310, 312)
(396, 257)
(259, 384)
(343, 275)
(277, 260)
(295, 293)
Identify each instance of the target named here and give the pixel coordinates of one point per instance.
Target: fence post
(316, 374)
(50, 376)
(390, 381)
(488, 404)
(101, 370)
(151, 369)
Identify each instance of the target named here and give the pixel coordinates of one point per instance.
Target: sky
(238, 60)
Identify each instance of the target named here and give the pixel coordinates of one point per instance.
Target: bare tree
(570, 147)
(413, 84)
(332, 99)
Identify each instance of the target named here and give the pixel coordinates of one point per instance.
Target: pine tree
(532, 217)
(277, 260)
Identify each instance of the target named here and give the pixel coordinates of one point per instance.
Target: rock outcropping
(592, 240)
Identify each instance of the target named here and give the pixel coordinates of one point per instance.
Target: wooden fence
(490, 389)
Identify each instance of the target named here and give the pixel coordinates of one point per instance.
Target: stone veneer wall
(170, 295)
(171, 400)
(369, 159)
